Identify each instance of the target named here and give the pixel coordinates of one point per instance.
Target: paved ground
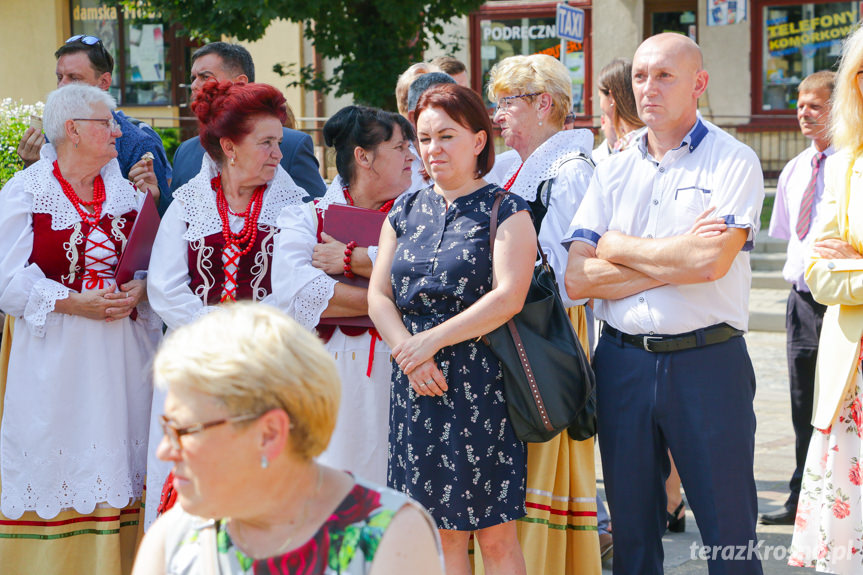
(774, 460)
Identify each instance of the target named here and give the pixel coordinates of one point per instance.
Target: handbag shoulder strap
(513, 329)
(492, 231)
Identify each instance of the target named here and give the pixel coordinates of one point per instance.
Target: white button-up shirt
(793, 181)
(634, 194)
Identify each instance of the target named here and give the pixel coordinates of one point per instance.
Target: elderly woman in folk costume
(216, 241)
(374, 161)
(533, 95)
(73, 438)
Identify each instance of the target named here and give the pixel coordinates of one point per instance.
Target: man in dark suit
(222, 61)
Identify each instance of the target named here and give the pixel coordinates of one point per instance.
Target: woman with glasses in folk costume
(73, 438)
(533, 95)
(216, 240)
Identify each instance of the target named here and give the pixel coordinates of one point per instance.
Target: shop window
(679, 16)
(142, 47)
(790, 41)
(501, 31)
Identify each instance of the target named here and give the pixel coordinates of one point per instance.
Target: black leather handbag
(548, 382)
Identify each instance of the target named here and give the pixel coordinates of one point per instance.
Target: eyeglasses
(174, 433)
(109, 123)
(504, 103)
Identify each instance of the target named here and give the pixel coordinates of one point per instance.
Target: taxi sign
(570, 23)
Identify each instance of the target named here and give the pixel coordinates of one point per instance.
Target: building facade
(756, 52)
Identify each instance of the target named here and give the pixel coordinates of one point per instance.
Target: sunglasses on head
(88, 40)
(84, 39)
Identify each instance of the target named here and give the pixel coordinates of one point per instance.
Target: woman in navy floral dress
(433, 293)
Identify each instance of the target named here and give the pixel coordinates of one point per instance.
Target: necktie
(804, 219)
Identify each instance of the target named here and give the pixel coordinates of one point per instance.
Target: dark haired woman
(434, 292)
(373, 158)
(216, 240)
(620, 121)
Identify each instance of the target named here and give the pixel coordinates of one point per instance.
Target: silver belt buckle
(647, 339)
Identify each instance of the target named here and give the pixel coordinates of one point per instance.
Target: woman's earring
(540, 122)
(233, 161)
(264, 462)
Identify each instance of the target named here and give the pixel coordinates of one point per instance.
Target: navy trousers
(698, 404)
(803, 319)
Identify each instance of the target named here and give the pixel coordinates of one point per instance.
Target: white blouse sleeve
(300, 289)
(567, 191)
(25, 292)
(168, 276)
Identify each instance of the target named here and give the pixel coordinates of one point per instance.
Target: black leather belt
(666, 343)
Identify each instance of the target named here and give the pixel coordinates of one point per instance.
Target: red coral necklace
(511, 181)
(384, 208)
(245, 238)
(96, 203)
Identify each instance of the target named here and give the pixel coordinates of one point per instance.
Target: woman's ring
(429, 382)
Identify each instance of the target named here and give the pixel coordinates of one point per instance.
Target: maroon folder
(136, 255)
(346, 224)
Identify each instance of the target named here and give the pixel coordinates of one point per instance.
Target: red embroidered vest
(60, 253)
(253, 275)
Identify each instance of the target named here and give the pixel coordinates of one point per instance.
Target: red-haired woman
(216, 240)
(434, 290)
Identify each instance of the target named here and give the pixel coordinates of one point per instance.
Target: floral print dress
(456, 454)
(344, 545)
(828, 532)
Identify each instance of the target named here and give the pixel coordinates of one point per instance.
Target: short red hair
(465, 107)
(228, 110)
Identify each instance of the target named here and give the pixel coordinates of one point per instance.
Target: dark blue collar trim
(696, 135)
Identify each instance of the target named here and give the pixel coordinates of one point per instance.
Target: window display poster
(725, 12)
(797, 40)
(147, 53)
(791, 30)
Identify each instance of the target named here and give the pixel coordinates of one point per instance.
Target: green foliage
(767, 211)
(170, 140)
(373, 40)
(14, 120)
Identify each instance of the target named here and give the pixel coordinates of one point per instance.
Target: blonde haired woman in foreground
(252, 398)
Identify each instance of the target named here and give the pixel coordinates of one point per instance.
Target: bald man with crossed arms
(661, 241)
